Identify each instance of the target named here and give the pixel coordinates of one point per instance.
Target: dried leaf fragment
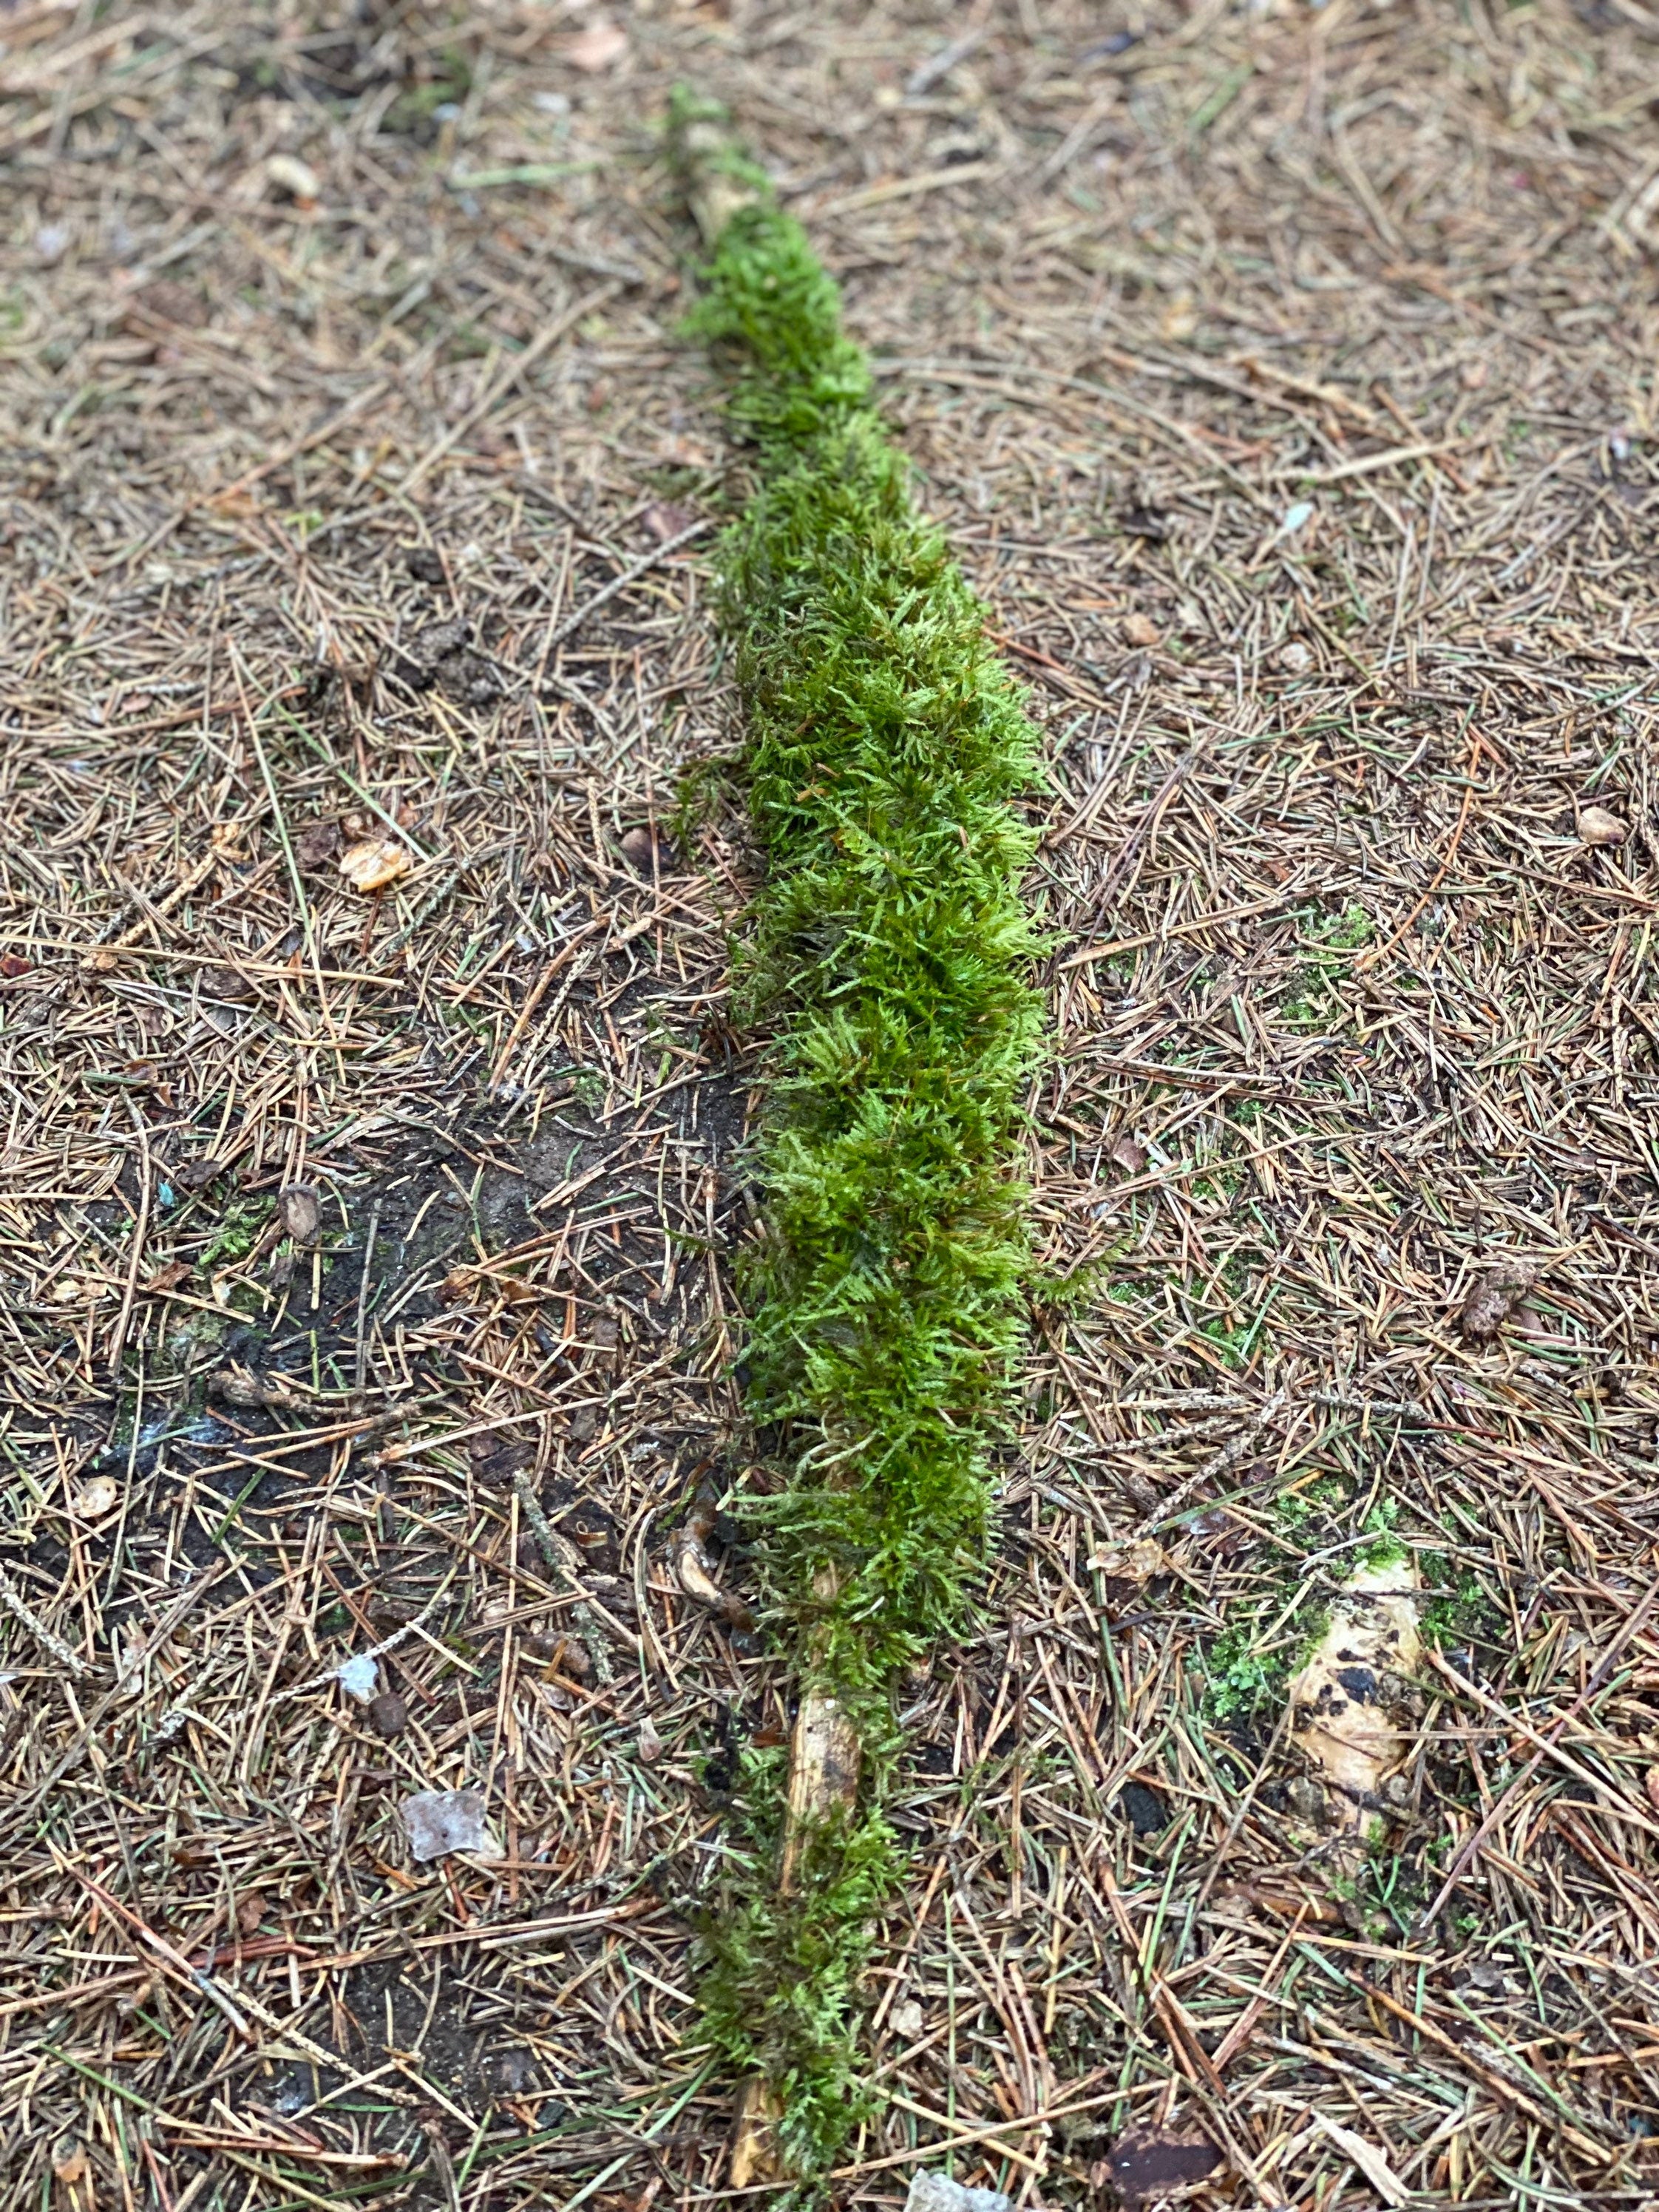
(236, 1386)
(1135, 1560)
(299, 1213)
(665, 520)
(316, 844)
(697, 1576)
(439, 1821)
(1139, 629)
(599, 47)
(373, 862)
(417, 661)
(197, 1174)
(1365, 2157)
(226, 983)
(937, 2192)
(163, 305)
(71, 2169)
(388, 1713)
(359, 1677)
(1495, 1298)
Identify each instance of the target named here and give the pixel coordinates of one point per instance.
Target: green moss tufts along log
(891, 961)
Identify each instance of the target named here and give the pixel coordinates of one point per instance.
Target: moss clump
(890, 959)
(781, 1994)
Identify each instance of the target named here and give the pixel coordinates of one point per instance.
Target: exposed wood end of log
(755, 2158)
(715, 188)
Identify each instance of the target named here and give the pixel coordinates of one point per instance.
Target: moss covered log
(889, 961)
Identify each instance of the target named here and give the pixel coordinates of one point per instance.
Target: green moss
(1243, 1678)
(781, 1992)
(1240, 1680)
(244, 1224)
(1457, 1611)
(889, 960)
(1325, 941)
(1386, 1549)
(1295, 1508)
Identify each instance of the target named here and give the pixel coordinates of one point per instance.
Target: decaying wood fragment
(824, 1759)
(1345, 1700)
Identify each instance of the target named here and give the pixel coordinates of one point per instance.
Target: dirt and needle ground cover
(1280, 380)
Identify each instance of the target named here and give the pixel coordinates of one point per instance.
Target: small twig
(53, 1645)
(1217, 1463)
(193, 1976)
(561, 1558)
(140, 1230)
(374, 1651)
(361, 1367)
(635, 569)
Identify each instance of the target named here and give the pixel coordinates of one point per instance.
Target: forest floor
(1284, 379)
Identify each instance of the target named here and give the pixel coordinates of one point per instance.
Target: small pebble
(97, 1497)
(1597, 827)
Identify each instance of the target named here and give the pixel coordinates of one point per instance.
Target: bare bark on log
(825, 1757)
(706, 154)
